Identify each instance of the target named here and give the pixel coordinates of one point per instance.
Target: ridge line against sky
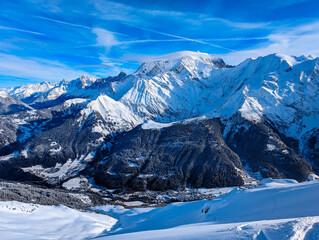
(48, 40)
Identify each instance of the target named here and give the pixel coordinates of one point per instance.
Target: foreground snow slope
(278, 209)
(32, 221)
(293, 229)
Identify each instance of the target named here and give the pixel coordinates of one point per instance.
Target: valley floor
(277, 209)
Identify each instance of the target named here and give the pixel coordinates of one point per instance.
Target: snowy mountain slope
(278, 88)
(272, 97)
(51, 92)
(268, 85)
(294, 228)
(173, 87)
(189, 87)
(196, 154)
(278, 209)
(285, 93)
(195, 63)
(117, 117)
(60, 141)
(181, 155)
(10, 105)
(32, 221)
(27, 90)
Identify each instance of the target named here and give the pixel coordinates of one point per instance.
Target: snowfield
(278, 209)
(32, 221)
(294, 229)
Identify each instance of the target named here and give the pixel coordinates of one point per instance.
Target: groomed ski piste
(276, 209)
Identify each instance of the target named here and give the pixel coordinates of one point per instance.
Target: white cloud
(105, 38)
(35, 69)
(301, 40)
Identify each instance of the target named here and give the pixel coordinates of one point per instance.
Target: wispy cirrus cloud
(62, 22)
(115, 11)
(141, 41)
(291, 41)
(36, 69)
(107, 39)
(237, 39)
(241, 25)
(143, 19)
(182, 37)
(73, 24)
(20, 30)
(94, 66)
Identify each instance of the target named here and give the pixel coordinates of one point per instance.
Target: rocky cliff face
(187, 120)
(184, 154)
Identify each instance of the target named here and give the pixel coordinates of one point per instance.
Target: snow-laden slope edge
(32, 221)
(278, 209)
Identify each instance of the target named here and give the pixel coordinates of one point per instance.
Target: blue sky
(48, 40)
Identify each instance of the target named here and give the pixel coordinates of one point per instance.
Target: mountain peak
(178, 60)
(180, 56)
(3, 94)
(83, 81)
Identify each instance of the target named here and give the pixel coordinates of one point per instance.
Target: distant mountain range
(189, 120)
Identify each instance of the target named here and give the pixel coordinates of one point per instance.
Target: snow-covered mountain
(187, 119)
(11, 105)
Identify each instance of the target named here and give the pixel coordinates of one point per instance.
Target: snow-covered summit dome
(179, 60)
